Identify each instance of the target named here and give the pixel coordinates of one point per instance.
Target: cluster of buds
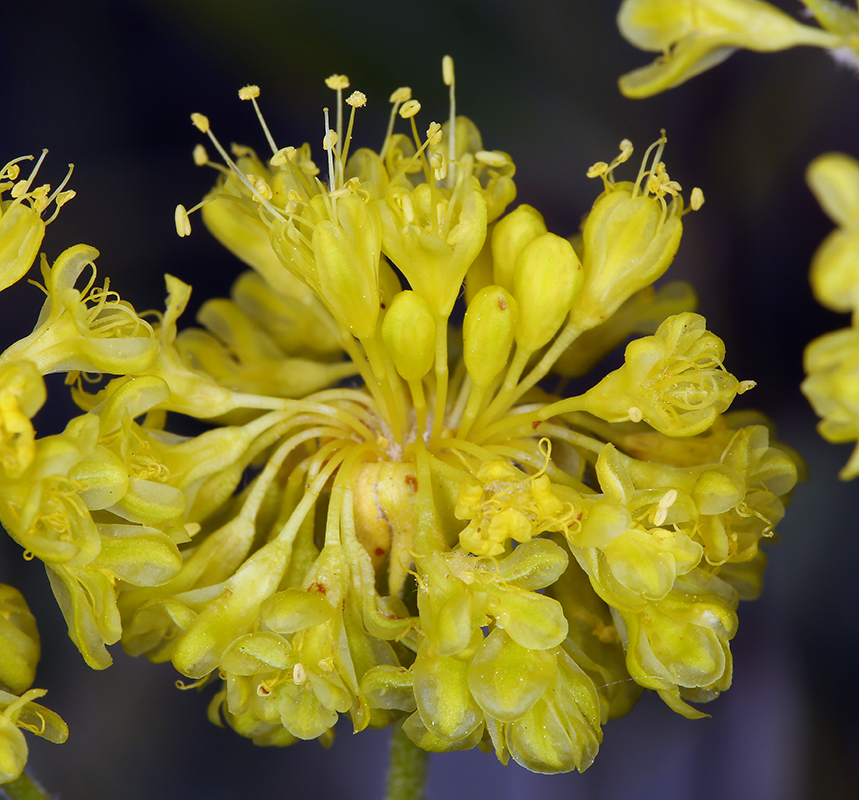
(391, 517)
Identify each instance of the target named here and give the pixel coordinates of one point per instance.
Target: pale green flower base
(407, 770)
(23, 788)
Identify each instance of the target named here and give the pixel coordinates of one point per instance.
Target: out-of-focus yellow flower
(19, 654)
(832, 361)
(832, 388)
(834, 179)
(694, 35)
(22, 713)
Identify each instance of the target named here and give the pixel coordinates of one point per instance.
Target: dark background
(110, 86)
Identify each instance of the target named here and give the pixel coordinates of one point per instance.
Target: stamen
(251, 93)
(338, 82)
(201, 122)
(450, 80)
(201, 157)
(399, 97)
(355, 100)
(659, 144)
(328, 144)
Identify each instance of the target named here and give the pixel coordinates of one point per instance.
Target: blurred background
(110, 86)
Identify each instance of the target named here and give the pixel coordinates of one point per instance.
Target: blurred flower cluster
(694, 35)
(832, 361)
(396, 509)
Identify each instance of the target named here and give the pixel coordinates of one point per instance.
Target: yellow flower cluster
(393, 516)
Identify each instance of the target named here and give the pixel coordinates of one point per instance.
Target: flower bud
(509, 236)
(487, 334)
(409, 333)
(546, 279)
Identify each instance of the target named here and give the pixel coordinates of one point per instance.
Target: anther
(299, 676)
(409, 109)
(744, 386)
(201, 122)
(183, 224)
(447, 70)
(201, 157)
(401, 95)
(329, 141)
(248, 92)
(356, 100)
(337, 82)
(490, 159)
(282, 156)
(696, 200)
(434, 133)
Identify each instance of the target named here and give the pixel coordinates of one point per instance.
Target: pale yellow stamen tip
(63, 197)
(490, 158)
(299, 676)
(263, 190)
(696, 200)
(447, 70)
(410, 108)
(201, 122)
(183, 224)
(282, 156)
(401, 95)
(337, 82)
(356, 100)
(201, 157)
(329, 140)
(668, 500)
(744, 386)
(600, 168)
(625, 150)
(635, 414)
(434, 133)
(248, 92)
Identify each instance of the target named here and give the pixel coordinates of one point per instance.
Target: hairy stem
(407, 771)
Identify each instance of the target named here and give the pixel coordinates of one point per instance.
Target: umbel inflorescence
(393, 516)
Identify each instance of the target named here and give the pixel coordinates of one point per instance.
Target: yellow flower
(386, 514)
(694, 35)
(19, 655)
(832, 387)
(21, 225)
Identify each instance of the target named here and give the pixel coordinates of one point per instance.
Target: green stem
(407, 771)
(23, 788)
